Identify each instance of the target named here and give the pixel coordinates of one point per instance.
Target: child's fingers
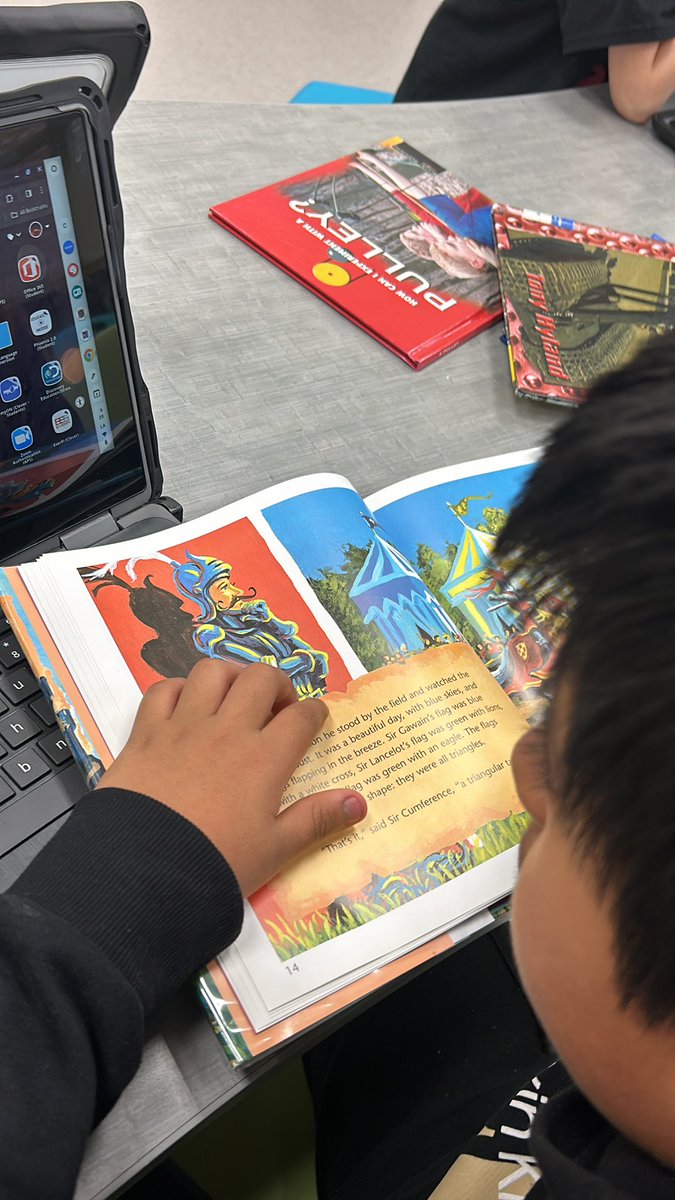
(158, 703)
(316, 818)
(290, 734)
(206, 687)
(258, 691)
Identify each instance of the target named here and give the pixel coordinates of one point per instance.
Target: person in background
(476, 48)
(144, 883)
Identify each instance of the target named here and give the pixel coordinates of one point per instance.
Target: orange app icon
(29, 268)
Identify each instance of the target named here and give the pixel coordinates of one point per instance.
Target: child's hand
(219, 747)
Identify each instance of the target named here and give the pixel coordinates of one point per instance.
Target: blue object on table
(319, 92)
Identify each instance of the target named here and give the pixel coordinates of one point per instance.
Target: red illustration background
(253, 565)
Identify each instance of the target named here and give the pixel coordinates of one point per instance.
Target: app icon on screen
(10, 389)
(80, 401)
(68, 247)
(73, 269)
(35, 229)
(40, 321)
(96, 393)
(22, 438)
(76, 292)
(62, 420)
(52, 373)
(81, 313)
(85, 334)
(89, 355)
(29, 268)
(5, 335)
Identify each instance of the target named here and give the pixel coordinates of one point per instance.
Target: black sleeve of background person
(593, 24)
(125, 903)
(479, 48)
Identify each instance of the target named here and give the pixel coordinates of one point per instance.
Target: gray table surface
(253, 380)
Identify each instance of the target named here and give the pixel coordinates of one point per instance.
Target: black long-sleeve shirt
(125, 903)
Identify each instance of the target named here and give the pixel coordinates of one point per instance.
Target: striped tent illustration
(389, 592)
(469, 585)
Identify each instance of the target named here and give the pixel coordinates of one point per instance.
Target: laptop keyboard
(39, 779)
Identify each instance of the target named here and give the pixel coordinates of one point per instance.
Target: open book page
(428, 741)
(446, 523)
(394, 601)
(223, 585)
(242, 1042)
(252, 583)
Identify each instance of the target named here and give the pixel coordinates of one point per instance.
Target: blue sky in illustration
(316, 525)
(424, 516)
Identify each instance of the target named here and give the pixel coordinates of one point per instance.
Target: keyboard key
(10, 654)
(6, 792)
(4, 623)
(24, 768)
(43, 709)
(19, 685)
(18, 728)
(55, 746)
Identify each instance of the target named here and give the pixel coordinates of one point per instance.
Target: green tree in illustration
(353, 558)
(332, 588)
(494, 520)
(434, 569)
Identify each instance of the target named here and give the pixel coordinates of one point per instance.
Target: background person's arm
(641, 78)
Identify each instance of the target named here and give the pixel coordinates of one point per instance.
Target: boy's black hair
(597, 517)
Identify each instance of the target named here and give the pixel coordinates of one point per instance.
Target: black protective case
(54, 97)
(117, 29)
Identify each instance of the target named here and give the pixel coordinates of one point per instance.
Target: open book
(388, 607)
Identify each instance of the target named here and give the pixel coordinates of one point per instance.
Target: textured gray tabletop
(253, 380)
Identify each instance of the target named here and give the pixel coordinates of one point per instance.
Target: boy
(197, 787)
(593, 922)
(474, 48)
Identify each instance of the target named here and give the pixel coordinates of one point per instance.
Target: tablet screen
(69, 446)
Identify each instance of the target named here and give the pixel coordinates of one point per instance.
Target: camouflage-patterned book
(579, 300)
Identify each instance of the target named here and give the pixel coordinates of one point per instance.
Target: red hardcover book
(387, 237)
(579, 300)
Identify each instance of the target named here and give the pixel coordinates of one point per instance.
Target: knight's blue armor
(246, 630)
